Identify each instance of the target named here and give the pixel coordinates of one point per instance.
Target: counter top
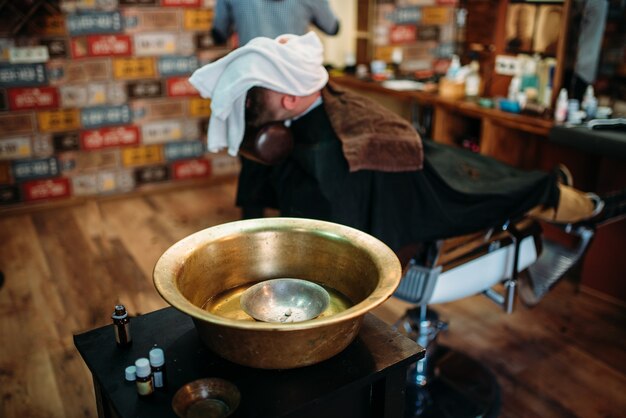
(468, 108)
(606, 143)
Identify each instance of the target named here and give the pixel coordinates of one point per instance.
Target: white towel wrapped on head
(294, 67)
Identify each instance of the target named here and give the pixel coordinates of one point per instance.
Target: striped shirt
(271, 18)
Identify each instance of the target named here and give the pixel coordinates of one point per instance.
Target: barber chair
(447, 383)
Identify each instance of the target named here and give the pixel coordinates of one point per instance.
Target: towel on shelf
(288, 64)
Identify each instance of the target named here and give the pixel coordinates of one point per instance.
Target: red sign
(181, 3)
(109, 137)
(102, 46)
(402, 34)
(180, 86)
(46, 189)
(191, 169)
(33, 98)
(109, 45)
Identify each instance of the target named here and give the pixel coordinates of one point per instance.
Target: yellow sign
(135, 156)
(54, 25)
(200, 107)
(436, 15)
(383, 53)
(59, 120)
(133, 68)
(198, 19)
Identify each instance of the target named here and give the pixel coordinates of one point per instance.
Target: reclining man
(355, 163)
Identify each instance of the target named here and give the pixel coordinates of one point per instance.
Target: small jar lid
(130, 373)
(157, 358)
(143, 367)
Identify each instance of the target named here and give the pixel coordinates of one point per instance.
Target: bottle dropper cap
(157, 357)
(120, 312)
(143, 367)
(130, 373)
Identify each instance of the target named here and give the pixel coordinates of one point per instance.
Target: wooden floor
(65, 268)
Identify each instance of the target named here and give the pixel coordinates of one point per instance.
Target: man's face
(262, 106)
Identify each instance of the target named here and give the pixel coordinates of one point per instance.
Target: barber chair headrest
(270, 144)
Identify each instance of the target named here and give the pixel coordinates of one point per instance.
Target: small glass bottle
(121, 324)
(157, 362)
(145, 385)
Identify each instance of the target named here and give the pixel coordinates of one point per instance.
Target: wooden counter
(508, 137)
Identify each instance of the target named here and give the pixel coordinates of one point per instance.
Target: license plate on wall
(144, 89)
(199, 107)
(102, 46)
(15, 148)
(35, 169)
(148, 110)
(62, 72)
(95, 117)
(110, 137)
(66, 141)
(22, 75)
(190, 169)
(152, 174)
(17, 123)
(33, 98)
(46, 189)
(148, 20)
(73, 162)
(144, 155)
(198, 20)
(162, 131)
(59, 120)
(183, 150)
(94, 23)
(174, 66)
(180, 87)
(133, 68)
(9, 195)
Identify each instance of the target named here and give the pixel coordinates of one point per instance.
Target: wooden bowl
(206, 398)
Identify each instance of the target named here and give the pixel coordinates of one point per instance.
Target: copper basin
(212, 261)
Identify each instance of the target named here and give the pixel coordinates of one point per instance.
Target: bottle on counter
(560, 112)
(472, 80)
(157, 363)
(143, 372)
(453, 69)
(590, 103)
(121, 325)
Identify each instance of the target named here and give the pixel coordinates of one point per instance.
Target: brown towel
(372, 137)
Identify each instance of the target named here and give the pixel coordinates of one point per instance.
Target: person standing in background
(271, 18)
(267, 18)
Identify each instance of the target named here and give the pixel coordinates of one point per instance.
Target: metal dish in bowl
(285, 300)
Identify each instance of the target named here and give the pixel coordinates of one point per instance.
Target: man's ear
(289, 101)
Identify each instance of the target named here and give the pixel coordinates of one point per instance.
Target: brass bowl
(212, 261)
(206, 398)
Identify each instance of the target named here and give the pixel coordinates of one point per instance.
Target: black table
(367, 379)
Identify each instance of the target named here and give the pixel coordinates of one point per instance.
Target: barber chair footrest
(555, 260)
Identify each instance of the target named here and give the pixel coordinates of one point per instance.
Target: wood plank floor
(65, 268)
